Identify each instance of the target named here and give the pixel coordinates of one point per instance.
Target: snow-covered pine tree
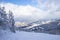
(11, 21)
(3, 18)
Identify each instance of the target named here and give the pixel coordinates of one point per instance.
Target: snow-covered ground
(5, 35)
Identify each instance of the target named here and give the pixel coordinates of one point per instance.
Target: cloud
(22, 12)
(51, 7)
(44, 9)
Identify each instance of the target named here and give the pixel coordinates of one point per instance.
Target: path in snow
(27, 36)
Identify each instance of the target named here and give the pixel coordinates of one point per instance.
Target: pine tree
(3, 18)
(11, 21)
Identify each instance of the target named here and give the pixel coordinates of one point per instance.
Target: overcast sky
(32, 10)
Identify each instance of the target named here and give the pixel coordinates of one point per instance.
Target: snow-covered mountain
(49, 26)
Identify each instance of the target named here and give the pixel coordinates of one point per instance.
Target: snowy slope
(6, 35)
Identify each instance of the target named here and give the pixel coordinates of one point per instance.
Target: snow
(32, 26)
(46, 22)
(6, 35)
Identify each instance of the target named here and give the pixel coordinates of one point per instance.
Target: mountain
(52, 27)
(45, 26)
